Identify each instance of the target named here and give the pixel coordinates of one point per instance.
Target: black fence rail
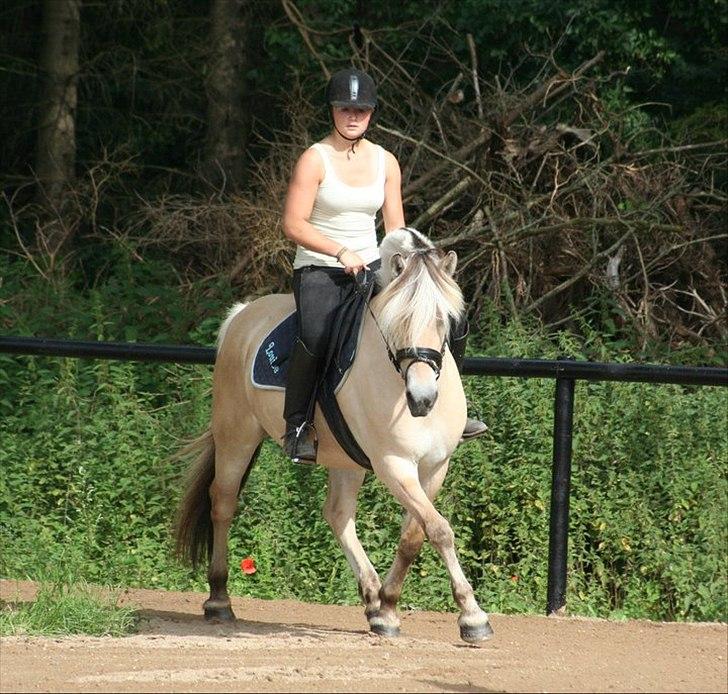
(565, 372)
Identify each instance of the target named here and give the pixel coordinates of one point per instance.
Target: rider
(336, 189)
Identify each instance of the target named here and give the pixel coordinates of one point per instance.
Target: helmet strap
(354, 140)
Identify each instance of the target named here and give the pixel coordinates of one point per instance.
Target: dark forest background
(572, 152)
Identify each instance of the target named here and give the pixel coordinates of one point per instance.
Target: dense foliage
(86, 482)
(583, 145)
(143, 60)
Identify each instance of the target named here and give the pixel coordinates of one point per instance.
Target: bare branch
(474, 68)
(585, 270)
(296, 18)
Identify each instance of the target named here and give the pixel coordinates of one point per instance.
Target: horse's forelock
(404, 242)
(421, 294)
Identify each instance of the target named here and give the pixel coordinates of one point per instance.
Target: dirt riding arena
(286, 646)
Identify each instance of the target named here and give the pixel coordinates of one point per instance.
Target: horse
(408, 436)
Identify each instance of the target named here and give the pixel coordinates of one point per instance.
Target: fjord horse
(409, 435)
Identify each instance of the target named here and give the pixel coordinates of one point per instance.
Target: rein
(426, 355)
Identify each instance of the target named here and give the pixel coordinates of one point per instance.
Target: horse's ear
(449, 263)
(396, 263)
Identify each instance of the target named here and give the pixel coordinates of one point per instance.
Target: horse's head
(419, 300)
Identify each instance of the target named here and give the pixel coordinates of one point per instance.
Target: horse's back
(266, 311)
(240, 334)
(235, 399)
(244, 330)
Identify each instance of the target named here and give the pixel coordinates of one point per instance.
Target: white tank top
(345, 214)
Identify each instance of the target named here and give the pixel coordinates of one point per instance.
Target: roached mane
(420, 295)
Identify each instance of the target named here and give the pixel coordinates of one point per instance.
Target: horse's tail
(193, 528)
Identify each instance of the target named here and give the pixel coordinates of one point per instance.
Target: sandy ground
(287, 646)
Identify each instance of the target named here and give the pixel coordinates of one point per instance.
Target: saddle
(270, 366)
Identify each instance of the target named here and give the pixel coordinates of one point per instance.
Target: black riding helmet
(352, 87)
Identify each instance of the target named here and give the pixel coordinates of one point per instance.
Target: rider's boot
(300, 440)
(473, 427)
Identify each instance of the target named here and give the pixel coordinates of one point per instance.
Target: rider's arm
(302, 189)
(300, 197)
(392, 212)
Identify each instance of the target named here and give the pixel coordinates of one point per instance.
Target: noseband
(426, 355)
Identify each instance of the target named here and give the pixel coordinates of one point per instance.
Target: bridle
(426, 355)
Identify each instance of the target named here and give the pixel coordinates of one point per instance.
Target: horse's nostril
(429, 401)
(420, 407)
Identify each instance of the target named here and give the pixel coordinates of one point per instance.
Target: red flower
(247, 566)
(514, 578)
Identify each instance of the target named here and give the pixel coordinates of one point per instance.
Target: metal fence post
(560, 489)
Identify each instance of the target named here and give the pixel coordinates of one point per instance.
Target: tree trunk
(56, 145)
(227, 120)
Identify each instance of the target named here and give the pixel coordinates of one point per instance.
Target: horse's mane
(421, 294)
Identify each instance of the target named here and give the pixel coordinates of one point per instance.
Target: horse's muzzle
(422, 406)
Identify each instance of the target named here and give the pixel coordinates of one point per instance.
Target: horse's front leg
(340, 511)
(401, 478)
(386, 621)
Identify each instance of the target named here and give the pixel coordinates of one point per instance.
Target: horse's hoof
(385, 630)
(476, 633)
(219, 615)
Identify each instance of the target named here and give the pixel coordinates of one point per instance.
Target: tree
(56, 144)
(228, 121)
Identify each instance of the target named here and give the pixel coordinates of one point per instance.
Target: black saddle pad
(270, 366)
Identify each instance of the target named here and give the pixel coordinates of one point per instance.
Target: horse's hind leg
(339, 511)
(386, 621)
(400, 477)
(235, 450)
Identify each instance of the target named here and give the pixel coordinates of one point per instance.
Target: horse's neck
(375, 304)
(373, 401)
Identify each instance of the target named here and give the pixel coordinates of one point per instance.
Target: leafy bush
(86, 479)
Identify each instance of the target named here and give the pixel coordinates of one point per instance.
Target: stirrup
(301, 444)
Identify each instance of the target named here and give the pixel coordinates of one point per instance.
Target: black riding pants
(319, 291)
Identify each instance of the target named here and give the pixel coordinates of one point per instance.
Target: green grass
(61, 609)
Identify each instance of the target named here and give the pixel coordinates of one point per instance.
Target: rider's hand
(352, 262)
